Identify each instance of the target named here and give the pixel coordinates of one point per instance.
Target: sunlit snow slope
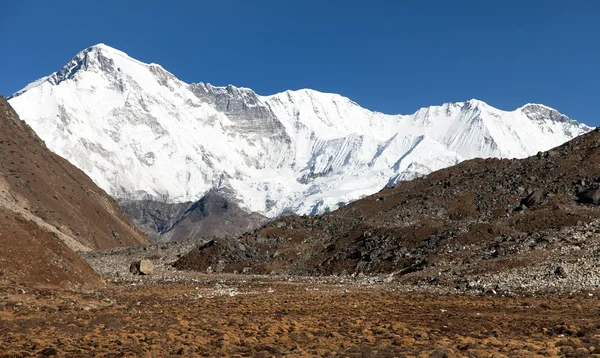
(140, 133)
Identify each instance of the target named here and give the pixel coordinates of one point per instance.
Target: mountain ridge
(232, 87)
(122, 121)
(104, 47)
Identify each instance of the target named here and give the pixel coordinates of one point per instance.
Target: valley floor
(261, 316)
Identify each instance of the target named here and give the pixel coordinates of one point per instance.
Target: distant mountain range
(143, 135)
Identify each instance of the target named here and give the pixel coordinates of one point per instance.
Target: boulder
(590, 195)
(141, 267)
(560, 272)
(534, 198)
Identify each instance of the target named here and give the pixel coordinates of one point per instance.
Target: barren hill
(49, 210)
(515, 222)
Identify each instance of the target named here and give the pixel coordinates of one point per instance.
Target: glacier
(142, 134)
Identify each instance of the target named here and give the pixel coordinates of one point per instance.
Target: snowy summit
(141, 133)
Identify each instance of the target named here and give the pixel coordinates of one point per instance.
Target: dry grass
(247, 317)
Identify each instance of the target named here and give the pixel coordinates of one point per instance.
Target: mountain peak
(477, 102)
(99, 57)
(540, 113)
(83, 60)
(106, 51)
(124, 121)
(103, 46)
(105, 60)
(536, 106)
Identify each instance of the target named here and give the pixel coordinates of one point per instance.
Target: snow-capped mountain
(141, 133)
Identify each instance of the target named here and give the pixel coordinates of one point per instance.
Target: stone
(560, 272)
(48, 352)
(498, 252)
(590, 196)
(532, 199)
(141, 267)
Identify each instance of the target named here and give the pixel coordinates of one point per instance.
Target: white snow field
(139, 132)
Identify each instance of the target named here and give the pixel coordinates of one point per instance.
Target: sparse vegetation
(266, 317)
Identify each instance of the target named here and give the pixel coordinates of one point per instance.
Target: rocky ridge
(494, 225)
(212, 216)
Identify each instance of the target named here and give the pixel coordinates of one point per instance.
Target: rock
(534, 198)
(182, 351)
(560, 272)
(590, 195)
(141, 267)
(133, 268)
(498, 252)
(521, 207)
(48, 352)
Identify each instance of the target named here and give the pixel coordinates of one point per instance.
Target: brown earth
(258, 317)
(31, 255)
(50, 208)
(481, 216)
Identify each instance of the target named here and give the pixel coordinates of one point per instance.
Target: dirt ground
(236, 315)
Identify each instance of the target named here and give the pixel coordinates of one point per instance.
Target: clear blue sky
(390, 56)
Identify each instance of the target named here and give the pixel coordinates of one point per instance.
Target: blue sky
(389, 56)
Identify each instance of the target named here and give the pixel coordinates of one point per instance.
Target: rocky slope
(486, 224)
(123, 122)
(50, 209)
(212, 216)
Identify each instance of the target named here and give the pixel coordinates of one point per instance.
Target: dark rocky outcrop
(212, 216)
(153, 217)
(590, 195)
(534, 198)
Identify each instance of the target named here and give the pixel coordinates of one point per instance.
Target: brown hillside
(54, 200)
(33, 256)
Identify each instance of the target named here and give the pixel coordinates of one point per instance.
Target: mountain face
(48, 210)
(485, 224)
(142, 134)
(212, 216)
